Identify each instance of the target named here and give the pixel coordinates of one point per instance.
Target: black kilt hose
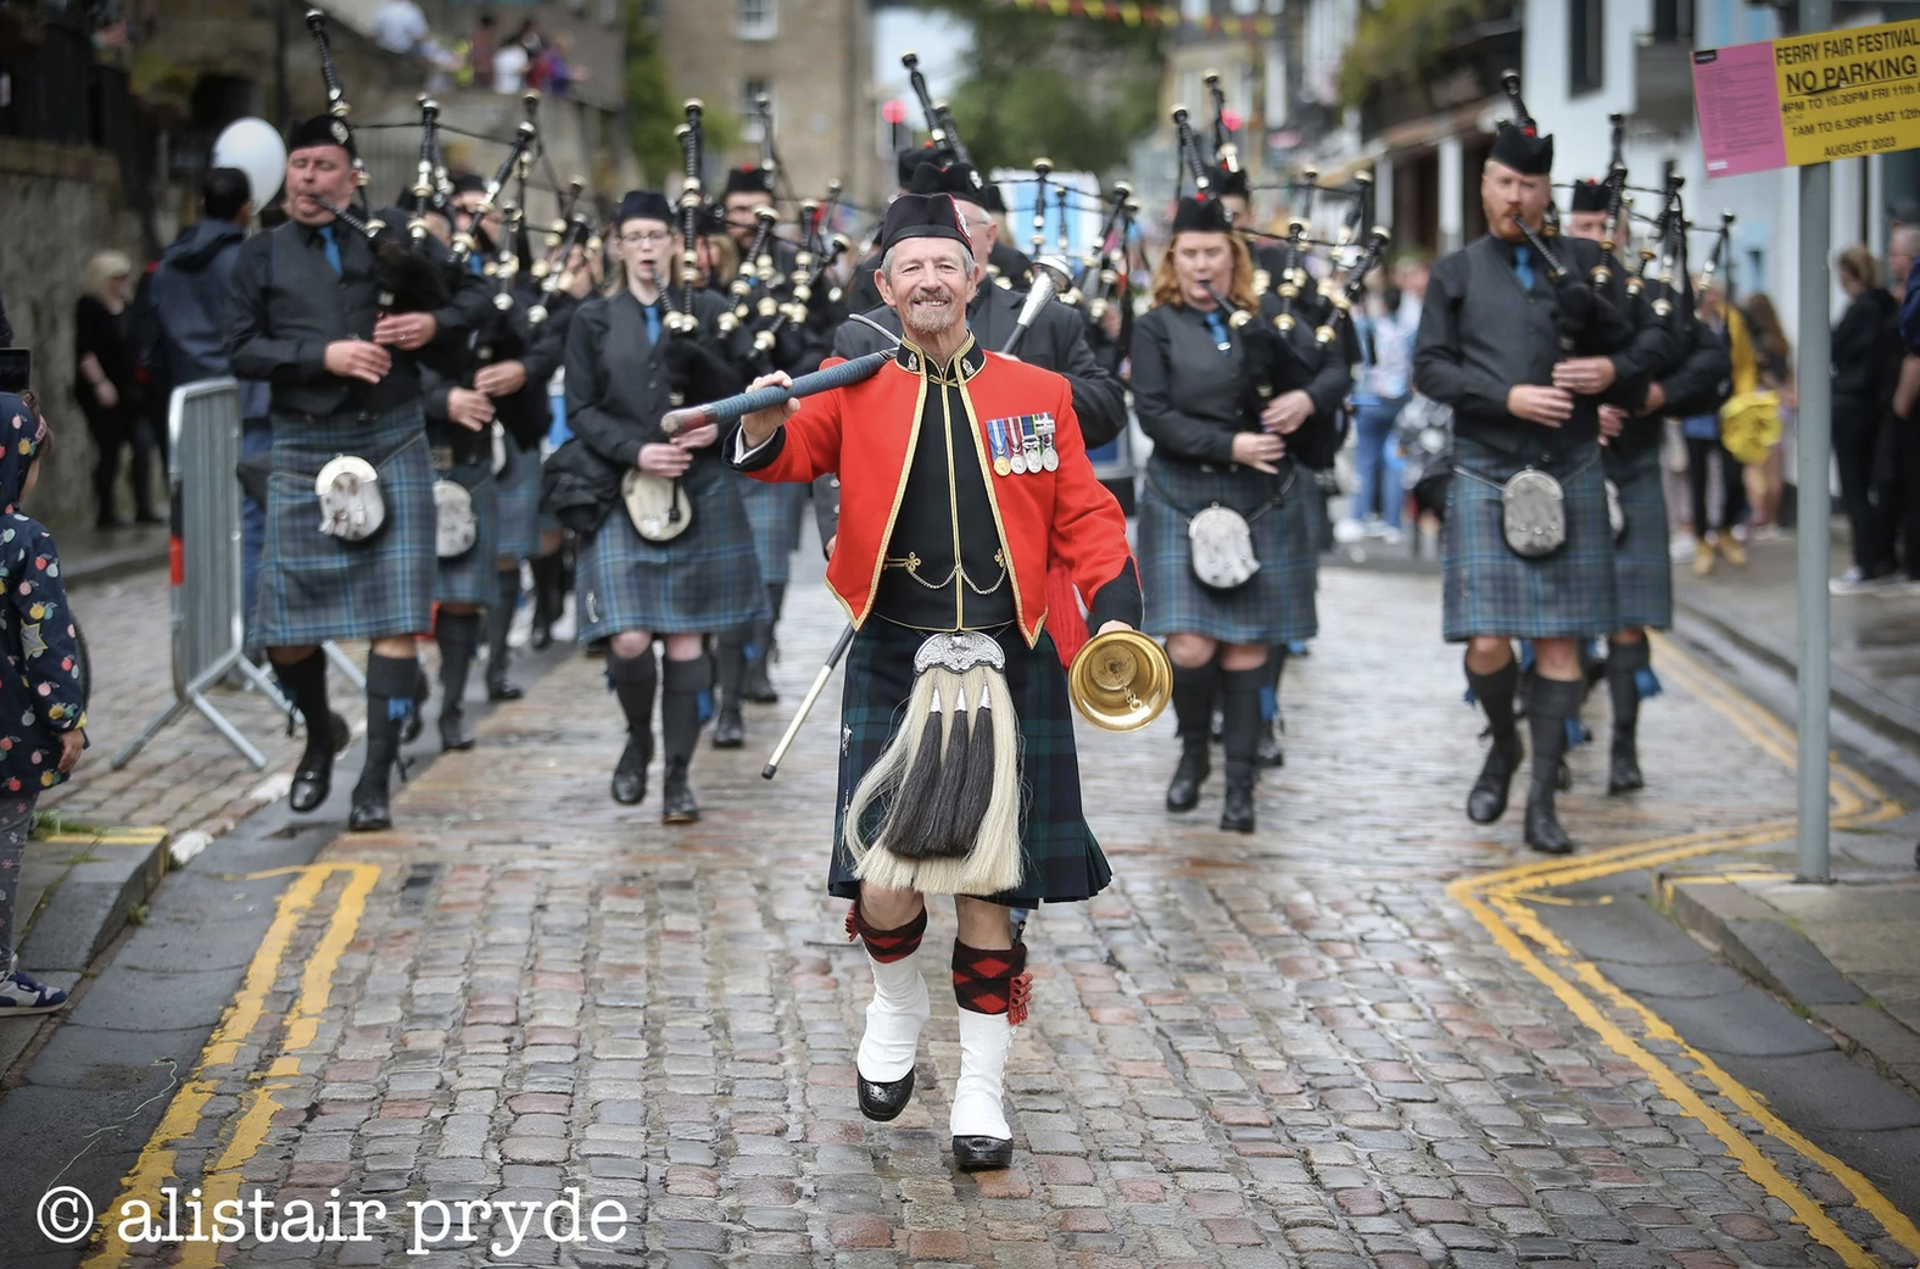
(473, 577)
(703, 581)
(775, 512)
(1061, 861)
(1642, 570)
(1275, 605)
(314, 586)
(1492, 591)
(518, 485)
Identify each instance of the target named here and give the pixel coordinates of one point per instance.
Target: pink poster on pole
(1737, 93)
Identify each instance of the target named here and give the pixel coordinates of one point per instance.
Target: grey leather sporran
(1533, 513)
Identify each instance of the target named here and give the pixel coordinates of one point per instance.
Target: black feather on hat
(1227, 184)
(922, 216)
(320, 130)
(436, 203)
(1201, 215)
(644, 204)
(471, 183)
(1588, 196)
(749, 178)
(911, 161)
(1519, 144)
(957, 179)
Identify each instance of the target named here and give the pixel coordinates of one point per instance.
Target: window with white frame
(751, 91)
(757, 19)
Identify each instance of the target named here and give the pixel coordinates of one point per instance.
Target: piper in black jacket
(1691, 380)
(308, 318)
(1493, 345)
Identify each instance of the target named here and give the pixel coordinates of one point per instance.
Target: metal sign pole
(1815, 539)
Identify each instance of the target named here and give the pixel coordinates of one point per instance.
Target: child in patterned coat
(42, 707)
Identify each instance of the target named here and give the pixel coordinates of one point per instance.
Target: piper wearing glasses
(677, 563)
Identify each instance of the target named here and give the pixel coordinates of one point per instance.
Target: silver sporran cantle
(659, 508)
(1221, 547)
(351, 507)
(455, 529)
(1533, 513)
(1616, 514)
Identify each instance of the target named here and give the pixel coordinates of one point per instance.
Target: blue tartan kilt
(1062, 863)
(1492, 591)
(519, 486)
(1275, 605)
(704, 581)
(473, 576)
(775, 511)
(1642, 570)
(314, 586)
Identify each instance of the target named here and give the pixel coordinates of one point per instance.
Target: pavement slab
(1305, 1048)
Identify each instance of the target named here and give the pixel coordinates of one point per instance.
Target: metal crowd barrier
(209, 610)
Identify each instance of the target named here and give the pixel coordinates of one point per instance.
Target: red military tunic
(868, 434)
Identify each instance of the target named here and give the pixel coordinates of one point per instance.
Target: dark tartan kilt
(473, 576)
(1062, 863)
(705, 580)
(775, 511)
(1275, 605)
(315, 587)
(1492, 591)
(1642, 569)
(519, 486)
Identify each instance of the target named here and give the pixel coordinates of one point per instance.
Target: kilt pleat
(519, 495)
(1061, 860)
(315, 587)
(472, 577)
(705, 580)
(1642, 569)
(775, 511)
(1275, 605)
(1489, 590)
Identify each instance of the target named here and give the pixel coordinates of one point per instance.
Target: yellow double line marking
(236, 1030)
(1499, 901)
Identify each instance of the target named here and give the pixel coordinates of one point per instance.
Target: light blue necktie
(652, 314)
(1218, 325)
(331, 248)
(1523, 266)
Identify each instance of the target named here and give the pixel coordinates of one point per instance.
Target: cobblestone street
(1361, 1037)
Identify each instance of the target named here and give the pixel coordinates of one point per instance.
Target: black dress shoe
(1236, 815)
(758, 688)
(311, 786)
(454, 732)
(1544, 833)
(417, 720)
(148, 517)
(1183, 794)
(883, 1102)
(1623, 769)
(504, 689)
(540, 638)
(370, 813)
(982, 1154)
(1488, 800)
(1270, 753)
(676, 799)
(728, 732)
(630, 777)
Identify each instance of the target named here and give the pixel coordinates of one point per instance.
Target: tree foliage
(1408, 38)
(1076, 91)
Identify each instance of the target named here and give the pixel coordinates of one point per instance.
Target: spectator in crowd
(1386, 344)
(104, 381)
(190, 297)
(1903, 246)
(554, 71)
(1702, 433)
(480, 50)
(1863, 381)
(6, 330)
(510, 68)
(1773, 367)
(400, 27)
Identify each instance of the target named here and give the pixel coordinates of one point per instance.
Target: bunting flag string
(1125, 11)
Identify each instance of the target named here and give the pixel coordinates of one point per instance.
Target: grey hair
(967, 261)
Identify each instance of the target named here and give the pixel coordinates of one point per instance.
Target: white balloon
(255, 147)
